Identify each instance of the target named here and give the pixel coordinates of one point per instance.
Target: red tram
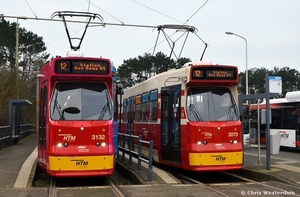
(191, 115)
(76, 110)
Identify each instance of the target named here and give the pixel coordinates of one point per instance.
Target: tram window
(138, 112)
(145, 112)
(145, 107)
(138, 108)
(153, 111)
(153, 105)
(130, 110)
(211, 104)
(81, 101)
(125, 110)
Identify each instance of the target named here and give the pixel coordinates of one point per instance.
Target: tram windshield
(211, 104)
(80, 101)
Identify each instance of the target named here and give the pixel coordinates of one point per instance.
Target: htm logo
(81, 162)
(69, 138)
(219, 158)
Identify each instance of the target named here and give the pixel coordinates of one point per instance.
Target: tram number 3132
(98, 137)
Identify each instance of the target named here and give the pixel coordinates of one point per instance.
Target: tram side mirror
(120, 89)
(72, 110)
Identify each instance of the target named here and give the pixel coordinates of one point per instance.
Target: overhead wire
(196, 11)
(106, 12)
(156, 11)
(87, 19)
(183, 23)
(37, 18)
(122, 23)
(31, 9)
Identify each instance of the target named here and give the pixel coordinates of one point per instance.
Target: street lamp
(230, 33)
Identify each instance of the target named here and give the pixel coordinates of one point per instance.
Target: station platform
(18, 164)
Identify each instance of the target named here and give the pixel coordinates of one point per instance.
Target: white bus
(285, 118)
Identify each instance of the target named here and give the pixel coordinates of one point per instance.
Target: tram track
(230, 184)
(115, 189)
(104, 186)
(227, 183)
(188, 180)
(52, 188)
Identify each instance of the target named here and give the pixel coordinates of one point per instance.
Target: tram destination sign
(81, 67)
(214, 73)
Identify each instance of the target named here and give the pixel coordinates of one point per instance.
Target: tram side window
(125, 110)
(145, 107)
(153, 105)
(130, 110)
(138, 109)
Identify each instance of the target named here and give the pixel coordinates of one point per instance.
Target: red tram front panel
(75, 117)
(214, 146)
(80, 148)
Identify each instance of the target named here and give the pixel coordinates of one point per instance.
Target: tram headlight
(65, 144)
(204, 142)
(100, 144)
(233, 141)
(199, 142)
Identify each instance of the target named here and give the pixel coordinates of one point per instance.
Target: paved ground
(17, 170)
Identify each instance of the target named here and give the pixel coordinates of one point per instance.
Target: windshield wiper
(61, 114)
(231, 112)
(195, 112)
(103, 111)
(56, 105)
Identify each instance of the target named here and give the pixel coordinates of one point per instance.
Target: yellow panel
(207, 159)
(81, 163)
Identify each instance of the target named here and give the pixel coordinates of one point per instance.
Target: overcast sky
(271, 28)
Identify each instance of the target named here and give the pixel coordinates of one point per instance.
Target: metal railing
(129, 149)
(6, 137)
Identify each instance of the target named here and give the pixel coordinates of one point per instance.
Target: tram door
(170, 123)
(42, 125)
